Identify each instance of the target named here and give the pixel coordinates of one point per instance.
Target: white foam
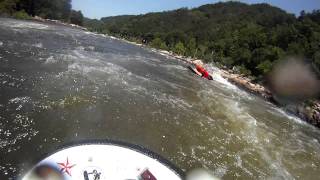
(91, 33)
(164, 53)
(80, 48)
(150, 61)
(20, 99)
(30, 25)
(122, 76)
(51, 60)
(112, 37)
(86, 65)
(172, 100)
(216, 74)
(79, 53)
(174, 85)
(38, 45)
(287, 115)
(92, 48)
(171, 67)
(220, 171)
(103, 35)
(217, 77)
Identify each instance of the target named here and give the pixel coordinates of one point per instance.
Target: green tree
(76, 17)
(21, 15)
(265, 67)
(53, 9)
(191, 47)
(8, 6)
(179, 48)
(158, 43)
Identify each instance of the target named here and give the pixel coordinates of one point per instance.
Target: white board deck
(106, 161)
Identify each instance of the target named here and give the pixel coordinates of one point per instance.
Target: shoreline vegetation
(247, 40)
(59, 10)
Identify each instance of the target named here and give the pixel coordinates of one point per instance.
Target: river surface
(59, 85)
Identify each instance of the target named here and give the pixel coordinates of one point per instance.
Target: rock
(313, 115)
(37, 18)
(246, 84)
(310, 114)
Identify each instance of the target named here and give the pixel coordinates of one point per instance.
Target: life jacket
(201, 70)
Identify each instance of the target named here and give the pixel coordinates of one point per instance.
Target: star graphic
(66, 167)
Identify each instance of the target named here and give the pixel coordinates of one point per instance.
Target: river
(60, 85)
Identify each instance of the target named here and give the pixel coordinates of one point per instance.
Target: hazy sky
(103, 8)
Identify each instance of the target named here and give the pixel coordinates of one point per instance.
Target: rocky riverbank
(309, 112)
(247, 84)
(39, 19)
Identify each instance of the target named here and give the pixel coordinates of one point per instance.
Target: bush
(265, 67)
(21, 15)
(179, 48)
(76, 17)
(241, 70)
(7, 7)
(158, 43)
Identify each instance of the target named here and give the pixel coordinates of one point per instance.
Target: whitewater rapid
(60, 85)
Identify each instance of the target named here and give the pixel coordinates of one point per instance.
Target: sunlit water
(59, 85)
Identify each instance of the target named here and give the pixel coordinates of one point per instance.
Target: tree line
(248, 38)
(48, 9)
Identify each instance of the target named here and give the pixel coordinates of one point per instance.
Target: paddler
(200, 70)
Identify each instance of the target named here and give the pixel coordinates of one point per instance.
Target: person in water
(201, 71)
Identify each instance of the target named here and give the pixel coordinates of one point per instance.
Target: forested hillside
(249, 37)
(51, 9)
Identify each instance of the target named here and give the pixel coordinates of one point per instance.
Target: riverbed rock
(246, 83)
(312, 113)
(308, 113)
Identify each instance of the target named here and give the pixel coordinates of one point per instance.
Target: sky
(103, 8)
